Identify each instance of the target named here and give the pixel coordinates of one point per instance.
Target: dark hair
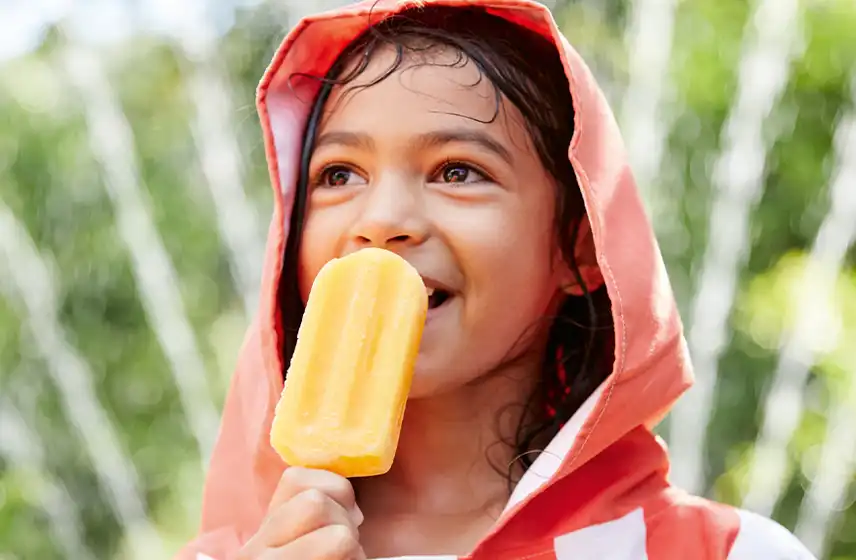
(526, 68)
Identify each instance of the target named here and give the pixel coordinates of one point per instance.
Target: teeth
(430, 291)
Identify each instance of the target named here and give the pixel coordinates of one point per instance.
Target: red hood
(651, 367)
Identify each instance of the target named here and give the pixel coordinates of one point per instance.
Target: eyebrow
(424, 141)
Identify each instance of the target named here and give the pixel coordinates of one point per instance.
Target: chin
(423, 389)
(434, 379)
(427, 381)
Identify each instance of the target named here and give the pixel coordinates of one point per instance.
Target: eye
(337, 176)
(457, 172)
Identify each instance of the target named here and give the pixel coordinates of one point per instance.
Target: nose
(392, 214)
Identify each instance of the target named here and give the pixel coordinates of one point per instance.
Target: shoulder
(759, 537)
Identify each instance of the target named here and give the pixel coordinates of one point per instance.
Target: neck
(455, 450)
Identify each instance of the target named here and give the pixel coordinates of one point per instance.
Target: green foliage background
(55, 188)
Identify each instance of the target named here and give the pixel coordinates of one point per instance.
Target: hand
(313, 515)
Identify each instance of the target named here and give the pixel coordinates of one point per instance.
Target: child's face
(412, 164)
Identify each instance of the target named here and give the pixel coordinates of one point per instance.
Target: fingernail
(358, 516)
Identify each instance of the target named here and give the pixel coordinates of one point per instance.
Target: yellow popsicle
(346, 389)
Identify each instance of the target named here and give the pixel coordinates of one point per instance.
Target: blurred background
(134, 200)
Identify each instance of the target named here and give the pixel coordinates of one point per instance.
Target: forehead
(428, 84)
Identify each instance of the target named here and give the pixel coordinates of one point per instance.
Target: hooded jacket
(601, 489)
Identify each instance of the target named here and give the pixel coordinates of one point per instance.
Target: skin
(406, 165)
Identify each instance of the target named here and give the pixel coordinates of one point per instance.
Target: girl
(469, 138)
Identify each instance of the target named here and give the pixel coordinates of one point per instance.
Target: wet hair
(526, 69)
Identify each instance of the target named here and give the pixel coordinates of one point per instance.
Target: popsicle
(345, 392)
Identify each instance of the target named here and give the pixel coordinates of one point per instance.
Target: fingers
(309, 511)
(333, 542)
(298, 479)
(312, 515)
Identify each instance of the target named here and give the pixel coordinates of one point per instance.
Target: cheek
(507, 246)
(515, 299)
(511, 281)
(317, 247)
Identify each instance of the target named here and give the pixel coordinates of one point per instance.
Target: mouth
(437, 297)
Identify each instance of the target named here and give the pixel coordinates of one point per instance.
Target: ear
(585, 255)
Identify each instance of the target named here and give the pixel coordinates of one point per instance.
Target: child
(469, 138)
